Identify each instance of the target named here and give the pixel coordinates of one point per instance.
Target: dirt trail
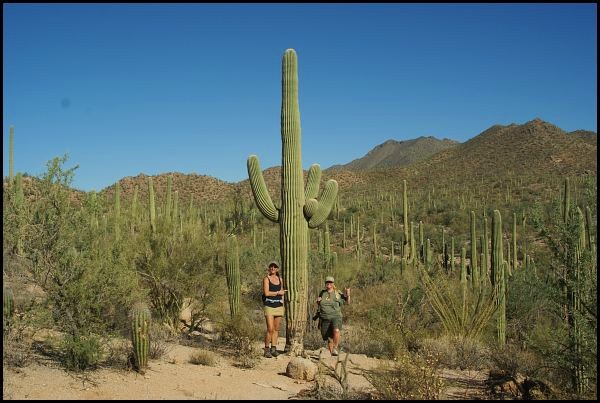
(171, 377)
(174, 377)
(464, 385)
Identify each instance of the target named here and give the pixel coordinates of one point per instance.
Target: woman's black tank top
(273, 301)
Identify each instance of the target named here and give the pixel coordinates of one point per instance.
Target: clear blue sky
(154, 88)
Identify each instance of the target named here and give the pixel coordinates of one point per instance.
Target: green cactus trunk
(484, 263)
(140, 336)
(566, 200)
(405, 220)
(497, 275)
(117, 218)
(514, 242)
(233, 275)
(474, 269)
(168, 203)
(152, 205)
(299, 208)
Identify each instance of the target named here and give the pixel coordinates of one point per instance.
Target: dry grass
(203, 357)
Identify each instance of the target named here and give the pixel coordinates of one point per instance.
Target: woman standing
(273, 307)
(330, 301)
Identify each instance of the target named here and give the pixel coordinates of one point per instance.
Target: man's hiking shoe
(334, 352)
(268, 353)
(274, 352)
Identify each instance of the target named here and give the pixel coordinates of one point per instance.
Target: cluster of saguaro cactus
(232, 263)
(299, 209)
(140, 335)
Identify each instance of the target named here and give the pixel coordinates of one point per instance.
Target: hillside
(535, 148)
(203, 188)
(394, 153)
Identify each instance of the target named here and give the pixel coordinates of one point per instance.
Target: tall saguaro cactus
(299, 209)
(498, 275)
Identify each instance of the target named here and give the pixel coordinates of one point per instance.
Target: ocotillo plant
(299, 209)
(140, 335)
(232, 264)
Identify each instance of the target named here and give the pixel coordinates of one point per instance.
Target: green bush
(81, 352)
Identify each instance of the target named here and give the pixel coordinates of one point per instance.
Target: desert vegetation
(495, 271)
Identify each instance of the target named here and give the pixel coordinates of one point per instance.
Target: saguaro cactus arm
(312, 182)
(259, 190)
(325, 204)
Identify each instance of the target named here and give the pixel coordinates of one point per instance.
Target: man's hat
(329, 279)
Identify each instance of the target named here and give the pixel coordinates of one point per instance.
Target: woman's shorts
(327, 326)
(269, 311)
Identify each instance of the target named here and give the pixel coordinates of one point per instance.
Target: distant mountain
(585, 135)
(394, 153)
(533, 148)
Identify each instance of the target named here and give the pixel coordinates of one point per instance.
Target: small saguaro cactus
(140, 335)
(232, 263)
(299, 209)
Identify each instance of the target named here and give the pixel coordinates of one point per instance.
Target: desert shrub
(16, 351)
(118, 353)
(86, 278)
(159, 338)
(203, 357)
(512, 360)
(240, 334)
(174, 271)
(81, 352)
(412, 376)
(454, 352)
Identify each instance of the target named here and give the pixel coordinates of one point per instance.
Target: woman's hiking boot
(274, 352)
(268, 353)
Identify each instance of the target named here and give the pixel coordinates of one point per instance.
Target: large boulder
(301, 368)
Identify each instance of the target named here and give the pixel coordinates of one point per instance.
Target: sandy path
(171, 377)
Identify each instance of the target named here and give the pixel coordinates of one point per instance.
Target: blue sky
(196, 88)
